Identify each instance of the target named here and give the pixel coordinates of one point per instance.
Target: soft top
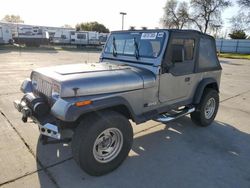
(168, 30)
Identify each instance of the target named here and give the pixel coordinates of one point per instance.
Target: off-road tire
(198, 116)
(86, 134)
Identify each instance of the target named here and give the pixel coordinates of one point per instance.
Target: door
(177, 82)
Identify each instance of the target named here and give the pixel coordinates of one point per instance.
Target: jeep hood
(96, 78)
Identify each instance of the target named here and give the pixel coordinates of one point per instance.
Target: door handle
(187, 79)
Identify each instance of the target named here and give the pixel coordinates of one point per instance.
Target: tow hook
(26, 113)
(24, 109)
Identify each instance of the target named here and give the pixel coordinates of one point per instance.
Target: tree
(240, 22)
(175, 14)
(244, 3)
(207, 13)
(12, 18)
(92, 26)
(238, 34)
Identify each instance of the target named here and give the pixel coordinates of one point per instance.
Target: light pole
(123, 14)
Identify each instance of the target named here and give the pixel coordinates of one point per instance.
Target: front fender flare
(67, 111)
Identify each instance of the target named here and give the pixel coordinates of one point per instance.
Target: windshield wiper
(114, 48)
(137, 55)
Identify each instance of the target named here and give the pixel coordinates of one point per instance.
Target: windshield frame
(133, 34)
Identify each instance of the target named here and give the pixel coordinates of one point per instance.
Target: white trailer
(79, 38)
(5, 35)
(62, 36)
(93, 38)
(73, 37)
(31, 36)
(85, 38)
(103, 38)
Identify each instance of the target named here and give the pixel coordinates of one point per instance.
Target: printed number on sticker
(145, 36)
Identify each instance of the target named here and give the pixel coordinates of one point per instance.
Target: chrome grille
(44, 87)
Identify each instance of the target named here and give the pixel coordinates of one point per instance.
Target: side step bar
(167, 117)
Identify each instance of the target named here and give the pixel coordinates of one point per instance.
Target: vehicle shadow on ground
(177, 155)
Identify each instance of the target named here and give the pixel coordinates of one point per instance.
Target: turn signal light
(83, 103)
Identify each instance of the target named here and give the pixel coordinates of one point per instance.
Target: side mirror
(177, 53)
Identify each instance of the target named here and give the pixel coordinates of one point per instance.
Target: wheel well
(212, 86)
(206, 84)
(122, 109)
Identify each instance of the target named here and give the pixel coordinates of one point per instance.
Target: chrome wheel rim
(210, 108)
(108, 145)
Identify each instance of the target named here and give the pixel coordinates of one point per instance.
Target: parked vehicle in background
(103, 38)
(93, 38)
(31, 36)
(62, 36)
(5, 35)
(78, 38)
(142, 75)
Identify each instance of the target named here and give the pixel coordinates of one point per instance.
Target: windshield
(138, 44)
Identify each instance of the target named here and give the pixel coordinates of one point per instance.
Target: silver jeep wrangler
(142, 75)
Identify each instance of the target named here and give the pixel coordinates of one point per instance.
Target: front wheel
(207, 109)
(101, 142)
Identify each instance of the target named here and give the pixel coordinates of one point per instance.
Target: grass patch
(235, 56)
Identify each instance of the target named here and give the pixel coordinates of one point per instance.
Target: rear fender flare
(201, 87)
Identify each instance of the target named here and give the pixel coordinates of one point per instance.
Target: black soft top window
(207, 54)
(188, 46)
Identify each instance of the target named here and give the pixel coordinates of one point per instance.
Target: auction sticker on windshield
(148, 36)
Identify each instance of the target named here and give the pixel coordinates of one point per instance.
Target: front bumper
(46, 124)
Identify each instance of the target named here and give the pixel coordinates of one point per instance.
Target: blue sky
(58, 13)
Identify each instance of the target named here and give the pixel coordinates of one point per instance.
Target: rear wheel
(207, 109)
(102, 142)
